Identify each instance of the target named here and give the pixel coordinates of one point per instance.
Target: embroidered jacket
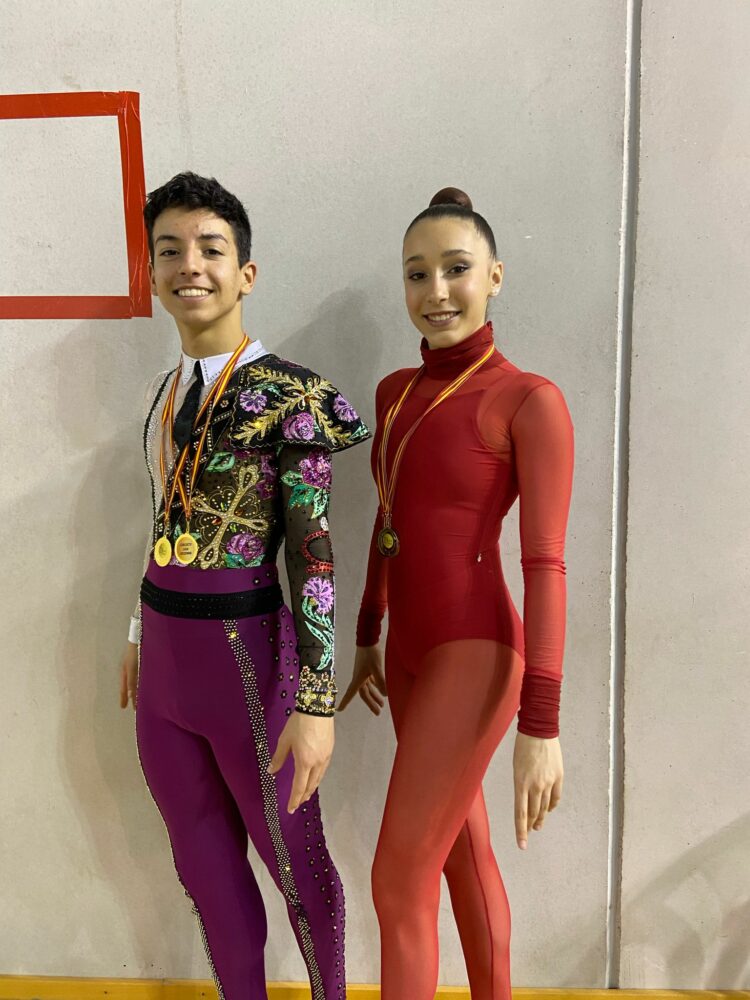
(264, 476)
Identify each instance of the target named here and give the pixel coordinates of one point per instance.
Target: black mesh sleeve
(305, 474)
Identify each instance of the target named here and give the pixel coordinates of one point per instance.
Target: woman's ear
(496, 278)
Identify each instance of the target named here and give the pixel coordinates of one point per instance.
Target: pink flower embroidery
(319, 590)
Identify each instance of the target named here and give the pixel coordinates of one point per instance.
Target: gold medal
(185, 549)
(388, 544)
(388, 541)
(162, 551)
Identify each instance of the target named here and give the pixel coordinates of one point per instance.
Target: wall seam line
(620, 485)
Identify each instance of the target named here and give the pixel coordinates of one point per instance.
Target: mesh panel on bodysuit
(505, 435)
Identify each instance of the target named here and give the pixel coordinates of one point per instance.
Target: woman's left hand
(538, 781)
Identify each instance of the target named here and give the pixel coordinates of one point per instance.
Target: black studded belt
(244, 604)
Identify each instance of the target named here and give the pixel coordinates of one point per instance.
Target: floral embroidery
(229, 510)
(344, 409)
(320, 590)
(312, 484)
(267, 483)
(244, 549)
(317, 605)
(300, 427)
(300, 406)
(253, 401)
(316, 470)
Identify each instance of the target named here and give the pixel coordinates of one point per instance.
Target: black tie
(183, 422)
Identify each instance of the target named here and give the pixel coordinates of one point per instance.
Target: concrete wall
(335, 123)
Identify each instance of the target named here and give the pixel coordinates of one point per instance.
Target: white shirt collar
(213, 366)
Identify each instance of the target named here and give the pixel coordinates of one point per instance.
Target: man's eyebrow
(445, 253)
(203, 236)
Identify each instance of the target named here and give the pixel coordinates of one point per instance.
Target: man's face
(195, 270)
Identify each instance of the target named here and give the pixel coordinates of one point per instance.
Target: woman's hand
(309, 739)
(538, 781)
(129, 675)
(368, 679)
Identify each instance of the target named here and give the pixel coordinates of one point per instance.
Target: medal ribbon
(387, 484)
(167, 419)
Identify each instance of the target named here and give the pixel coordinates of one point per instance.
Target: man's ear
(152, 277)
(249, 274)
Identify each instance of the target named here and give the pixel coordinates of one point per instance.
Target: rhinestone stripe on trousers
(270, 804)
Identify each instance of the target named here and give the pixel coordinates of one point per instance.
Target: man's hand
(538, 781)
(368, 679)
(129, 675)
(310, 739)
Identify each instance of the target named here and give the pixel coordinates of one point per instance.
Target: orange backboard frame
(124, 105)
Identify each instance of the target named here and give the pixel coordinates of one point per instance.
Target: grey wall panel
(686, 864)
(335, 124)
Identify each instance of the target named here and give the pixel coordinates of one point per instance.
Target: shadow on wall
(128, 847)
(690, 927)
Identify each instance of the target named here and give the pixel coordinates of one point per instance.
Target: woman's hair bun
(452, 196)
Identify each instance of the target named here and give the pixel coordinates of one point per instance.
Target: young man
(235, 693)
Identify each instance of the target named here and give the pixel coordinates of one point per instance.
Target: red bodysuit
(458, 658)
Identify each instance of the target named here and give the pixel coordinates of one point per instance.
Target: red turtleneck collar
(449, 362)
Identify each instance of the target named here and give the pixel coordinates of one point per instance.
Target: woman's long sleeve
(375, 596)
(542, 436)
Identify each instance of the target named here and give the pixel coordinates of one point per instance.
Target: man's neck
(221, 338)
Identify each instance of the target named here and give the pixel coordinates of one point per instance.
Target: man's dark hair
(188, 190)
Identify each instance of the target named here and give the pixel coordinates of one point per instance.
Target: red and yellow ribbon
(387, 483)
(167, 420)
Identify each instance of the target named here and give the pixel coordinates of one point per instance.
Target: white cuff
(134, 632)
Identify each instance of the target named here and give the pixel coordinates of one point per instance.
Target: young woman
(457, 441)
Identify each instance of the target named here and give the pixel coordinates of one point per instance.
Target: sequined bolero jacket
(264, 477)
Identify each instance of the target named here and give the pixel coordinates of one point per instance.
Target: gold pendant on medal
(162, 551)
(185, 549)
(388, 543)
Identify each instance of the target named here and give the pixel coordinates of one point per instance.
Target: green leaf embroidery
(233, 561)
(222, 461)
(302, 495)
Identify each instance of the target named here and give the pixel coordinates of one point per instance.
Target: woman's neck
(448, 362)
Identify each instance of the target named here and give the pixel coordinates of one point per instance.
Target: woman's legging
(450, 714)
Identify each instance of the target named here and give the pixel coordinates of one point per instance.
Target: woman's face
(449, 275)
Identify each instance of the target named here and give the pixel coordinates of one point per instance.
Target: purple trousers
(213, 697)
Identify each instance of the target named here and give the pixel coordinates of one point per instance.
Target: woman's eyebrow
(445, 253)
